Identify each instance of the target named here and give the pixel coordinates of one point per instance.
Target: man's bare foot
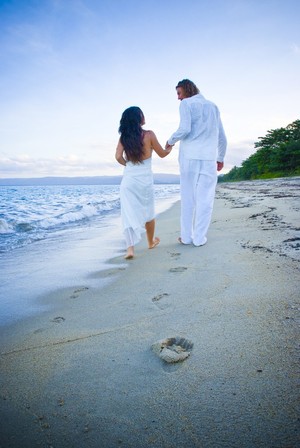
(155, 242)
(130, 253)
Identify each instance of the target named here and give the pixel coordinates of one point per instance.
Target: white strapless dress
(137, 200)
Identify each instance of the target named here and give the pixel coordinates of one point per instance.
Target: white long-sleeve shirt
(200, 131)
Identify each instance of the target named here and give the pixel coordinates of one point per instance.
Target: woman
(134, 151)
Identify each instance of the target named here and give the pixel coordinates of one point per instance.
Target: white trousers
(198, 180)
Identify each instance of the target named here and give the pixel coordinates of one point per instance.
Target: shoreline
(84, 374)
(73, 256)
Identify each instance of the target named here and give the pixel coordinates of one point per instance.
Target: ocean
(58, 236)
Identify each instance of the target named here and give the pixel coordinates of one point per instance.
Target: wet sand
(83, 372)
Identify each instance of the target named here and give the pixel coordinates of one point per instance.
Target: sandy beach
(83, 374)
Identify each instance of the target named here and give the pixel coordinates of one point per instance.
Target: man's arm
(222, 144)
(184, 125)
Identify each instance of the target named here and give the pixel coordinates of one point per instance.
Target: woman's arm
(119, 154)
(157, 146)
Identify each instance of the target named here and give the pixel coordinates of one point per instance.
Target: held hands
(168, 147)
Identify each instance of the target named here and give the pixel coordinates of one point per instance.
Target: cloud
(70, 165)
(237, 152)
(74, 165)
(98, 161)
(295, 48)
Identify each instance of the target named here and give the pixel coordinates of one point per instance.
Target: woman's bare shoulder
(148, 134)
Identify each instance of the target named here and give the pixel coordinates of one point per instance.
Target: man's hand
(220, 166)
(169, 147)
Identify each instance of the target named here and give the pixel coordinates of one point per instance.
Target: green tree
(277, 155)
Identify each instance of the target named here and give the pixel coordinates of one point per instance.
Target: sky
(69, 68)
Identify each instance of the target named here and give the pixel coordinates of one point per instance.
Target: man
(202, 150)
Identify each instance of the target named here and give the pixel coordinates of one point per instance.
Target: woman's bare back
(151, 143)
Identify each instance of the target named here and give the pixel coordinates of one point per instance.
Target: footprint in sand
(175, 255)
(161, 301)
(178, 269)
(39, 330)
(58, 319)
(160, 296)
(77, 291)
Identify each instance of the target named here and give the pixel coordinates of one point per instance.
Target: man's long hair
(132, 133)
(190, 89)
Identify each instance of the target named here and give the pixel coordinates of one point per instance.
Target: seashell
(172, 356)
(173, 349)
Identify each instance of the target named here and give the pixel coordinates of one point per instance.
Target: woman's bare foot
(130, 253)
(155, 242)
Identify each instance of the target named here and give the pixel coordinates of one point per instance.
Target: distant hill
(159, 178)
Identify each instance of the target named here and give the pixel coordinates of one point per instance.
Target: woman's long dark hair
(132, 133)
